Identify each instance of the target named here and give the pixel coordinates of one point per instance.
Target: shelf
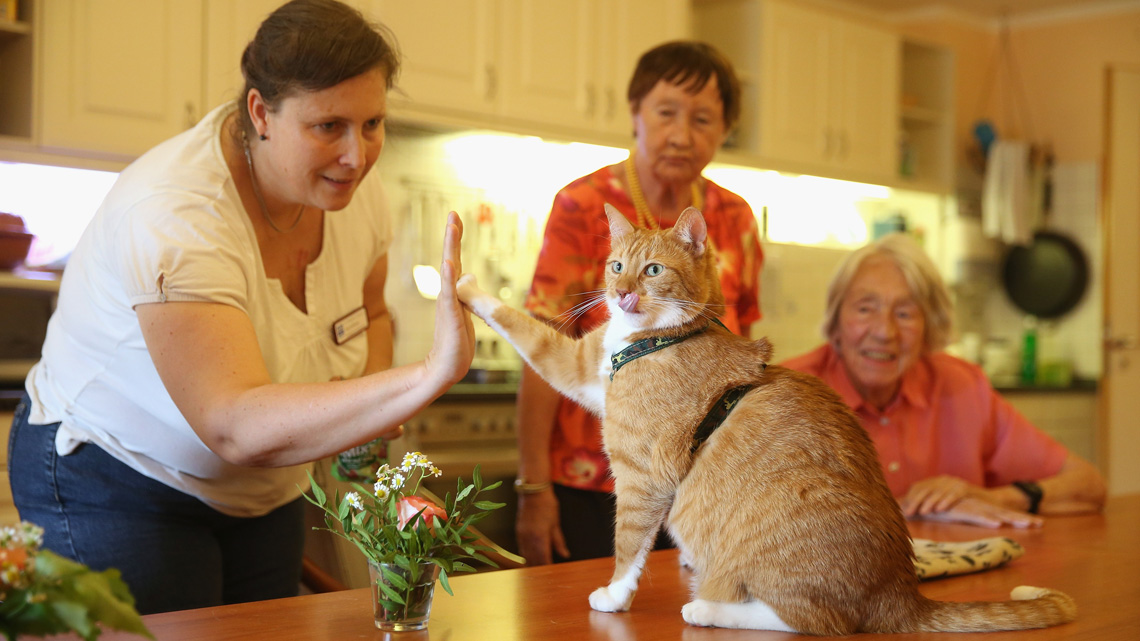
(10, 29)
(923, 115)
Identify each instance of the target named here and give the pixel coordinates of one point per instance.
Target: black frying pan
(1047, 278)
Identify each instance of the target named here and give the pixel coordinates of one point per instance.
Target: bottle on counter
(361, 462)
(1029, 351)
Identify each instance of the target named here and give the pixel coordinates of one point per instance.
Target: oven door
(24, 314)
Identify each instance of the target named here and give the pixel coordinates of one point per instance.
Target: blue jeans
(174, 551)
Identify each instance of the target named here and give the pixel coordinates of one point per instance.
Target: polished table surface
(1095, 559)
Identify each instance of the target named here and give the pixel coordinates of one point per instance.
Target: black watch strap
(1033, 492)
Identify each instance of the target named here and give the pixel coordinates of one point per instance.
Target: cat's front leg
(639, 518)
(478, 301)
(618, 595)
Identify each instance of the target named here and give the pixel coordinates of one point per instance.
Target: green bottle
(1029, 352)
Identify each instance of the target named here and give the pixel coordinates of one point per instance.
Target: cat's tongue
(628, 302)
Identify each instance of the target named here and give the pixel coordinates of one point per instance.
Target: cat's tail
(1030, 608)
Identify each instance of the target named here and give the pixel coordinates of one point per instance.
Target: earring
(263, 137)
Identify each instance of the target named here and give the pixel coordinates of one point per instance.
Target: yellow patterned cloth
(936, 559)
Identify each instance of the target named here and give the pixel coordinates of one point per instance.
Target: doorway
(1120, 404)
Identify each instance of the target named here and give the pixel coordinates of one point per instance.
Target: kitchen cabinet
(926, 151)
(229, 27)
(8, 514)
(119, 76)
(1069, 415)
(16, 76)
(821, 90)
(559, 67)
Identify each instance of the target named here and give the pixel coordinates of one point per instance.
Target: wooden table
(1096, 559)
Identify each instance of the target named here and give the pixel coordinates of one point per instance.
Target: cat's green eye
(616, 266)
(654, 270)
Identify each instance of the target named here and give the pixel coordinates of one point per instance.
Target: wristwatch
(1033, 492)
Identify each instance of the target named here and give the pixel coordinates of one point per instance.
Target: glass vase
(414, 587)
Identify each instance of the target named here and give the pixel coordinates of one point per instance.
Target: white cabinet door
(119, 76)
(866, 114)
(626, 30)
(795, 85)
(229, 28)
(829, 92)
(448, 49)
(548, 62)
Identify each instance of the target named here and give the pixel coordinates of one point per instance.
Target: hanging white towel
(1006, 198)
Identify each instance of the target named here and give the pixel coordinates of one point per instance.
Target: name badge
(350, 325)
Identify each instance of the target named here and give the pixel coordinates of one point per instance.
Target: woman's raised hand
(453, 345)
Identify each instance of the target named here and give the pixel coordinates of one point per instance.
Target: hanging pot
(1046, 278)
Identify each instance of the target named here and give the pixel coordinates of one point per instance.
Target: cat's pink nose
(627, 301)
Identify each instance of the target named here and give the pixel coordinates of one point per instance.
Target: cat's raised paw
(605, 600)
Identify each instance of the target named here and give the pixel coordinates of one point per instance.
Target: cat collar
(650, 345)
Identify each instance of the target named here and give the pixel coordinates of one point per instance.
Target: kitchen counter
(1092, 558)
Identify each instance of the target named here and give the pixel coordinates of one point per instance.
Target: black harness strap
(717, 413)
(720, 409)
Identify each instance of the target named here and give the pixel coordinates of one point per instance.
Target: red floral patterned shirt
(570, 269)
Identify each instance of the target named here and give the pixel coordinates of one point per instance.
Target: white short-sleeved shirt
(173, 229)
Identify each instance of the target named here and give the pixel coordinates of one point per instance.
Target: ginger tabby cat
(814, 543)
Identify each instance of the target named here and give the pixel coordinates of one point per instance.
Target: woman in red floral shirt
(684, 98)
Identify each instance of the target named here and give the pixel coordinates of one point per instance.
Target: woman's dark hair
(309, 45)
(690, 64)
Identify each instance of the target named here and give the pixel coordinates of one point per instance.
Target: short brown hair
(310, 45)
(688, 63)
(922, 279)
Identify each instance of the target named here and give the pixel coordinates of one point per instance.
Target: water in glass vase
(401, 598)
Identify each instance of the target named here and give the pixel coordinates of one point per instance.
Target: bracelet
(522, 487)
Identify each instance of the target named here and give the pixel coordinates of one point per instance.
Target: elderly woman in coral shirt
(951, 447)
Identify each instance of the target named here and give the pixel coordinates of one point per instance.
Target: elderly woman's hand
(936, 494)
(976, 511)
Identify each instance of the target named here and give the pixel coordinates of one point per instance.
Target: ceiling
(980, 8)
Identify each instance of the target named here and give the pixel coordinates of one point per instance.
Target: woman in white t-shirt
(232, 277)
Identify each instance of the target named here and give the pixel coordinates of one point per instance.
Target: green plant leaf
(488, 505)
(394, 579)
(390, 593)
(318, 493)
(463, 493)
(444, 583)
(477, 478)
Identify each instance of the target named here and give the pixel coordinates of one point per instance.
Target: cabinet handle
(492, 82)
(828, 136)
(591, 99)
(843, 144)
(611, 104)
(191, 115)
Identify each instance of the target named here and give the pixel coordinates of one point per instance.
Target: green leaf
(488, 505)
(463, 493)
(390, 593)
(394, 579)
(477, 477)
(493, 486)
(318, 493)
(444, 583)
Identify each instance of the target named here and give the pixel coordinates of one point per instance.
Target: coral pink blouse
(570, 271)
(946, 419)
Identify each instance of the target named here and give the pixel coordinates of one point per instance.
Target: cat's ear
(619, 224)
(691, 229)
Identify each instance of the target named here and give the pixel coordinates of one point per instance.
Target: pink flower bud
(408, 506)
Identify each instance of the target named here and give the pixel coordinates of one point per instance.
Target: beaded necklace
(645, 218)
